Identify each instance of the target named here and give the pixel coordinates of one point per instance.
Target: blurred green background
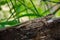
(13, 12)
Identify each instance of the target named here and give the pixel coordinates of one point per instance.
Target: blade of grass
(35, 7)
(49, 9)
(10, 10)
(53, 1)
(17, 12)
(26, 9)
(29, 8)
(30, 14)
(56, 11)
(14, 10)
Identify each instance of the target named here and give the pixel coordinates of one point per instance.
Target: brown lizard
(37, 29)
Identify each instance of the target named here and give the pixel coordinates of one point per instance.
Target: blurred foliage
(16, 9)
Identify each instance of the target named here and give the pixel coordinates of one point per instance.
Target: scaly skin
(26, 31)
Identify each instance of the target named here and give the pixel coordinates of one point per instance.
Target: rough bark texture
(38, 29)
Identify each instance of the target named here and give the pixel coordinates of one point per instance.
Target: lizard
(31, 30)
(25, 31)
